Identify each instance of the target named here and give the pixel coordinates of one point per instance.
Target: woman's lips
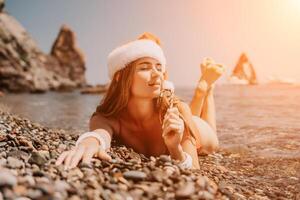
(154, 84)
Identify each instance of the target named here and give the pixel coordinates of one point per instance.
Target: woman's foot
(210, 73)
(206, 61)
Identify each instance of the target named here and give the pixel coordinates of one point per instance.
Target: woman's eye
(158, 68)
(144, 68)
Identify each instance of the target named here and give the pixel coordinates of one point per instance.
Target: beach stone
(169, 170)
(2, 162)
(2, 137)
(46, 188)
(159, 175)
(20, 190)
(37, 173)
(7, 178)
(2, 144)
(28, 180)
(165, 158)
(201, 182)
(34, 193)
(185, 190)
(39, 157)
(3, 154)
(8, 193)
(14, 163)
(85, 165)
(61, 147)
(75, 173)
(206, 195)
(75, 197)
(19, 154)
(135, 175)
(239, 196)
(22, 198)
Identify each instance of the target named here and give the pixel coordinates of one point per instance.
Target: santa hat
(147, 45)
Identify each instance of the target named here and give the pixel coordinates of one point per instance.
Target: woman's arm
(190, 148)
(102, 126)
(178, 140)
(90, 146)
(188, 143)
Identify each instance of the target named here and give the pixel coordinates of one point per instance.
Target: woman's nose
(155, 72)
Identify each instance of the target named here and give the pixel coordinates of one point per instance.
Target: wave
(282, 80)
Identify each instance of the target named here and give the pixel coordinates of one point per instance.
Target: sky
(268, 31)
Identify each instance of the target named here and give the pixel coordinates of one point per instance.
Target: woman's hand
(85, 151)
(173, 128)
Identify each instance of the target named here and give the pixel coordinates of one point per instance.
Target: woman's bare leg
(206, 122)
(202, 103)
(208, 113)
(198, 99)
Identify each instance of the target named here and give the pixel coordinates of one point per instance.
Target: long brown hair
(118, 93)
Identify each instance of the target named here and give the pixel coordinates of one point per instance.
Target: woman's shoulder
(98, 120)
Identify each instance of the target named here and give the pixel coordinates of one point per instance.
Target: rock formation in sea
(25, 68)
(1, 5)
(70, 58)
(243, 72)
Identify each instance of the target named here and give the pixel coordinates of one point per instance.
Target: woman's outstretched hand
(85, 151)
(173, 128)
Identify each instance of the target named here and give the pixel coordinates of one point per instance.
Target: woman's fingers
(171, 118)
(103, 155)
(172, 127)
(69, 158)
(173, 110)
(171, 115)
(61, 158)
(88, 155)
(77, 157)
(172, 121)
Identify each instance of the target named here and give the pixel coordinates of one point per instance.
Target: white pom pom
(168, 85)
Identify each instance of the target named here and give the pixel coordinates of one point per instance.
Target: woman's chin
(156, 93)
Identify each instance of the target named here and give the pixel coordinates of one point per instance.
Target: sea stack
(243, 72)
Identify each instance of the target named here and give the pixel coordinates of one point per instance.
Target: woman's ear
(165, 74)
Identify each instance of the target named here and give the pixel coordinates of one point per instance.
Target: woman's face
(147, 78)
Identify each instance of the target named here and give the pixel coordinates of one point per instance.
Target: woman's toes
(205, 63)
(212, 73)
(208, 61)
(221, 68)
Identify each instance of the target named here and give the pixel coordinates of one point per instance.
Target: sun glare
(295, 4)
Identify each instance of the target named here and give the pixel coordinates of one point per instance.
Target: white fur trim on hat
(125, 54)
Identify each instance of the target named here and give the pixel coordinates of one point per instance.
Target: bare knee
(208, 137)
(209, 148)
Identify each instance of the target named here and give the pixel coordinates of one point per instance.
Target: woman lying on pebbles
(140, 113)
